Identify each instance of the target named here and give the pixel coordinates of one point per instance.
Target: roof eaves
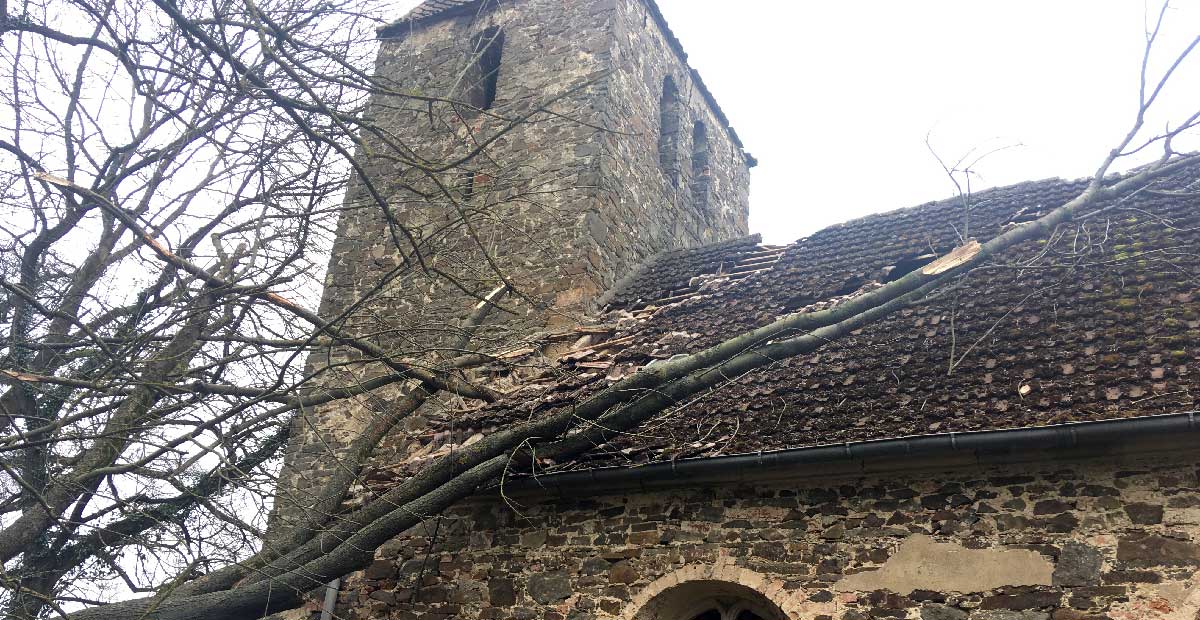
(685, 472)
(433, 11)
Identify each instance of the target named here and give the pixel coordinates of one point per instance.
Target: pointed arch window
(701, 164)
(487, 50)
(668, 137)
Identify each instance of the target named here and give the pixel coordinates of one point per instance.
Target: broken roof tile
(1054, 331)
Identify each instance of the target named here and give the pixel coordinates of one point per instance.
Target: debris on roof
(1099, 321)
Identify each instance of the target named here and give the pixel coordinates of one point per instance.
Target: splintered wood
(958, 256)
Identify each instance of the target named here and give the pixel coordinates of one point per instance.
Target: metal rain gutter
(1054, 437)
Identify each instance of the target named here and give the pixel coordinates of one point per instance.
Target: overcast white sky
(835, 98)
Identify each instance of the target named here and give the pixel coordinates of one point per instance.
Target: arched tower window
(486, 50)
(668, 137)
(701, 171)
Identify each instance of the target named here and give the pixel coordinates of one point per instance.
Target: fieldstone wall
(522, 197)
(565, 204)
(562, 205)
(525, 192)
(639, 202)
(1105, 538)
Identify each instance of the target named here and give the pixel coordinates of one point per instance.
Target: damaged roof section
(1099, 321)
(675, 275)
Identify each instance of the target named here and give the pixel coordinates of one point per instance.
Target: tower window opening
(701, 171)
(668, 137)
(486, 51)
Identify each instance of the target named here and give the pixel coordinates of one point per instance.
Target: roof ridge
(1056, 180)
(913, 208)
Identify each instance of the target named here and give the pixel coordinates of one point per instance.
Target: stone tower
(621, 153)
(632, 156)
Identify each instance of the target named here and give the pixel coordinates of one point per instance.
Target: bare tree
(173, 173)
(172, 176)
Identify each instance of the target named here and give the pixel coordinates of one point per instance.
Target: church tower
(550, 145)
(592, 147)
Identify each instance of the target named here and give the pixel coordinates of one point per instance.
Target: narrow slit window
(466, 184)
(487, 50)
(701, 170)
(668, 137)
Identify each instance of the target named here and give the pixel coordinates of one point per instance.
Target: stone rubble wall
(638, 202)
(1110, 538)
(534, 240)
(597, 203)
(582, 218)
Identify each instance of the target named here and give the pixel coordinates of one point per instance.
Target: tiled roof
(675, 274)
(438, 8)
(1100, 321)
(430, 8)
(432, 11)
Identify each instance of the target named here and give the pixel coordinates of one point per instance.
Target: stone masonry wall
(595, 203)
(527, 190)
(638, 202)
(560, 215)
(1110, 538)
